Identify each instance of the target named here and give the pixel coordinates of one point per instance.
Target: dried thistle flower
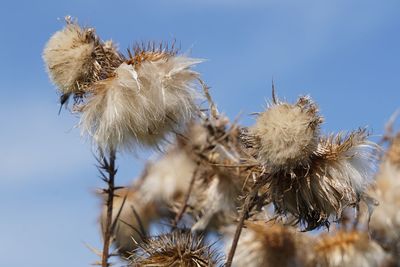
(176, 249)
(338, 174)
(221, 180)
(286, 135)
(385, 220)
(141, 103)
(134, 217)
(268, 245)
(75, 58)
(348, 249)
(393, 153)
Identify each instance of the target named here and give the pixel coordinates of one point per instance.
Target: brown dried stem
(109, 167)
(248, 205)
(179, 215)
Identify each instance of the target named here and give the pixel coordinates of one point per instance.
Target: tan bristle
(349, 249)
(338, 173)
(176, 249)
(268, 245)
(393, 153)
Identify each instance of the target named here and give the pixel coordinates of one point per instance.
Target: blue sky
(345, 54)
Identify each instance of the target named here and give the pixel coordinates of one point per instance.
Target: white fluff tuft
(287, 134)
(141, 105)
(216, 201)
(350, 160)
(69, 57)
(168, 178)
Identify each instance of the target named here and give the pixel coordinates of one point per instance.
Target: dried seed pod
(348, 249)
(269, 245)
(133, 221)
(142, 103)
(338, 173)
(176, 249)
(75, 58)
(286, 135)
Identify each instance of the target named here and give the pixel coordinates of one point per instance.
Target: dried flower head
(141, 103)
(286, 135)
(393, 153)
(385, 220)
(338, 174)
(134, 217)
(176, 249)
(268, 245)
(348, 249)
(75, 58)
(221, 180)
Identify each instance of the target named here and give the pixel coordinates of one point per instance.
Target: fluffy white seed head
(286, 135)
(141, 104)
(339, 172)
(75, 58)
(69, 57)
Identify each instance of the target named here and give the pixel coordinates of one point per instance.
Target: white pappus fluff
(287, 134)
(69, 57)
(168, 178)
(141, 104)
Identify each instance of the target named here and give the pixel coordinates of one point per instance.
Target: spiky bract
(338, 173)
(177, 249)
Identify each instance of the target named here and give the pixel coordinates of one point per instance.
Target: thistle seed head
(75, 58)
(286, 135)
(177, 249)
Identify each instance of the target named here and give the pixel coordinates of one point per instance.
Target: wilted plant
(269, 180)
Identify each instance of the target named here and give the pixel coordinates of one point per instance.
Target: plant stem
(109, 167)
(245, 214)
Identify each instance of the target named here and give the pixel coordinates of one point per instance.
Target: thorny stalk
(179, 215)
(109, 167)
